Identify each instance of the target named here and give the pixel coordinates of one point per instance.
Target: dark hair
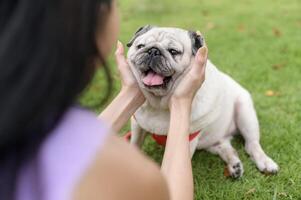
(47, 52)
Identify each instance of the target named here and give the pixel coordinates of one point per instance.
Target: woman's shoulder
(73, 144)
(79, 118)
(120, 171)
(64, 156)
(78, 130)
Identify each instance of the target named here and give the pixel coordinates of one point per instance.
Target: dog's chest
(153, 120)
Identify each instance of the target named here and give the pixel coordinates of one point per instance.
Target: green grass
(259, 44)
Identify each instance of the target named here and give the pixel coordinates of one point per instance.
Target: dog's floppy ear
(138, 33)
(197, 41)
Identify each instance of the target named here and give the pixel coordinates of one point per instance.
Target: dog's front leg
(193, 146)
(138, 134)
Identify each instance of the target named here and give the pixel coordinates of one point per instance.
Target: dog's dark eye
(174, 52)
(140, 46)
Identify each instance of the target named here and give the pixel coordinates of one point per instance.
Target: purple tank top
(63, 158)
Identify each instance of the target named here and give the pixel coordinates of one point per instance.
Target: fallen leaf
(277, 32)
(241, 28)
(205, 12)
(278, 66)
(210, 25)
(271, 93)
(226, 172)
(251, 191)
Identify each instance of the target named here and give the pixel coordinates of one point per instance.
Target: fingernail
(119, 47)
(119, 44)
(203, 50)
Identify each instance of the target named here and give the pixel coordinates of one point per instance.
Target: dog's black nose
(154, 51)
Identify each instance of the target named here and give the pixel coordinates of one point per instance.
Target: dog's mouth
(152, 79)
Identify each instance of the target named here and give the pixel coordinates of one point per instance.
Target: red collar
(161, 139)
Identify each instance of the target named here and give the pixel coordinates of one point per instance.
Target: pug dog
(158, 58)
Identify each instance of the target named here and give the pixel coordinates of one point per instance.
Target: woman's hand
(128, 80)
(129, 99)
(192, 81)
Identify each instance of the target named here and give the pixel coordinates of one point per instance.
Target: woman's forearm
(176, 165)
(122, 108)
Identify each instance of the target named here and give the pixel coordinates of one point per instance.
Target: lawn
(259, 44)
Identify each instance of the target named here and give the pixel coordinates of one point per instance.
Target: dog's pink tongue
(152, 79)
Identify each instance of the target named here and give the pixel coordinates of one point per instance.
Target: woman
(52, 149)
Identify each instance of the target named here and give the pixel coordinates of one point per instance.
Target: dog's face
(159, 56)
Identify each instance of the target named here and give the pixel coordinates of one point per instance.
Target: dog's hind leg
(248, 126)
(230, 156)
(138, 134)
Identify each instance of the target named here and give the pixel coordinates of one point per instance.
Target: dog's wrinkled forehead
(168, 37)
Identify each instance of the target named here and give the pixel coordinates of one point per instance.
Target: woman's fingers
(197, 72)
(201, 59)
(120, 58)
(119, 50)
(127, 78)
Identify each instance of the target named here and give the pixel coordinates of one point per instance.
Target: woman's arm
(121, 172)
(129, 99)
(122, 108)
(176, 166)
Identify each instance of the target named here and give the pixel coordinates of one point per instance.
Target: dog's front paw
(234, 170)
